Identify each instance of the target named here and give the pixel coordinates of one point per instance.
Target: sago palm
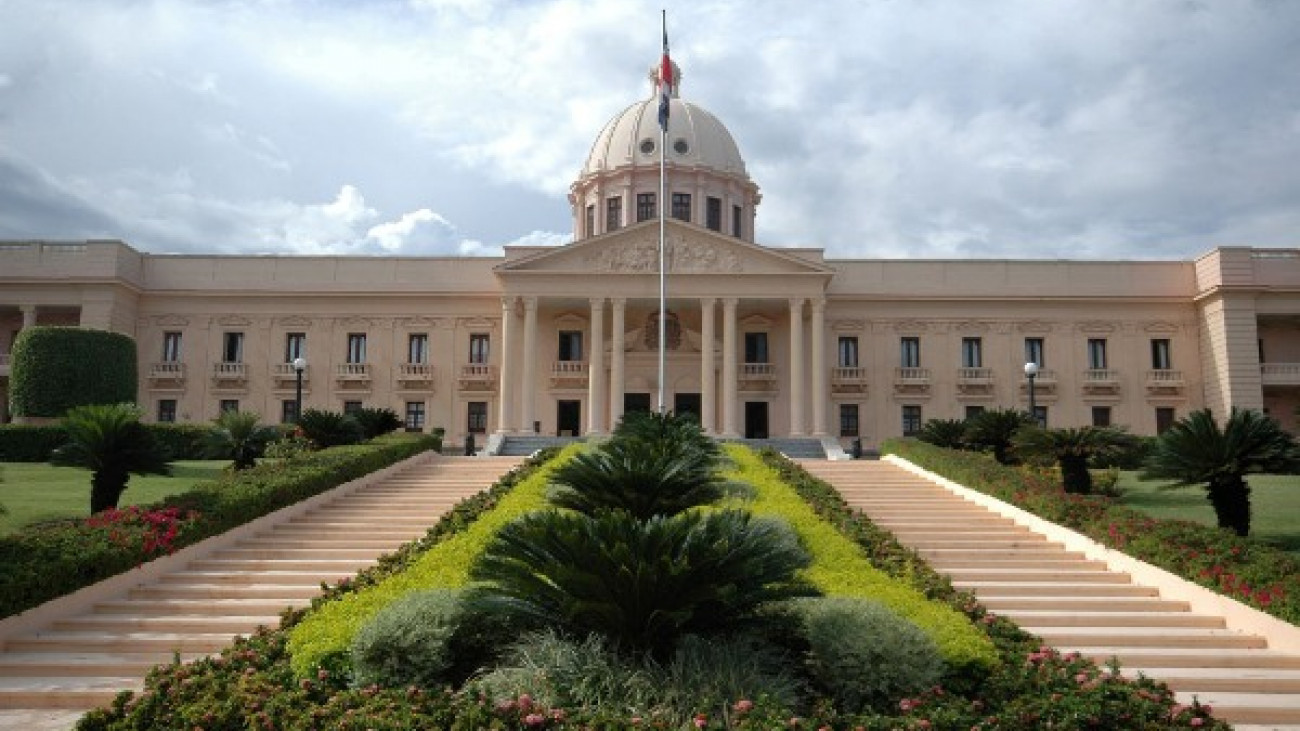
(642, 477)
(109, 440)
(992, 430)
(1196, 451)
(946, 433)
(239, 436)
(1071, 449)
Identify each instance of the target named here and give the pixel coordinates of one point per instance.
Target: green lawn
(1275, 505)
(37, 492)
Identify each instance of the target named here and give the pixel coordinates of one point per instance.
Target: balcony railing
(848, 379)
(1164, 380)
(229, 371)
(352, 372)
(1100, 381)
(415, 372)
(757, 372)
(478, 377)
(975, 375)
(1280, 374)
(912, 380)
(571, 373)
(167, 371)
(284, 372)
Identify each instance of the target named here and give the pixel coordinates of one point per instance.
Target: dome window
(681, 146)
(647, 146)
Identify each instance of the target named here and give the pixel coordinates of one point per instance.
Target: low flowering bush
(148, 532)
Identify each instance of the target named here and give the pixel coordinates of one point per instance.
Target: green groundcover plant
(1258, 575)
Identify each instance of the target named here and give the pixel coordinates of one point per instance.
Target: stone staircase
(83, 660)
(792, 447)
(1073, 603)
(523, 445)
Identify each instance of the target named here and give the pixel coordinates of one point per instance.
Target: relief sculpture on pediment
(680, 256)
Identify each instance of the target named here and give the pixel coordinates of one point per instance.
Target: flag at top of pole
(665, 80)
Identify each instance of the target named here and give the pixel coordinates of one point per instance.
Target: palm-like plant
(992, 430)
(1195, 451)
(1071, 449)
(109, 440)
(239, 436)
(682, 430)
(641, 583)
(644, 478)
(947, 433)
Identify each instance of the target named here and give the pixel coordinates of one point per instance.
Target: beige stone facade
(759, 340)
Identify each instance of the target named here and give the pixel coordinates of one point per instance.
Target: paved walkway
(1074, 603)
(48, 677)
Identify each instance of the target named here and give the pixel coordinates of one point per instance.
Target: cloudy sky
(875, 128)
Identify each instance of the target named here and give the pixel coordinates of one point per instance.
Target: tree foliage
(1072, 449)
(239, 436)
(110, 441)
(992, 430)
(946, 433)
(54, 369)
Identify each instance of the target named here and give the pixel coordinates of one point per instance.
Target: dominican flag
(665, 82)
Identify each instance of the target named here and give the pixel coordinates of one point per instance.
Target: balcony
(757, 377)
(167, 374)
(849, 379)
(415, 376)
(975, 382)
(912, 381)
(478, 377)
(1280, 374)
(284, 376)
(352, 376)
(1100, 382)
(1044, 383)
(229, 375)
(1164, 382)
(569, 374)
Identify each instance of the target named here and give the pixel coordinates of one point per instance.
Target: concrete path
(1073, 603)
(54, 672)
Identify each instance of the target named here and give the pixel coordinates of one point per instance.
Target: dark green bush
(330, 428)
(182, 441)
(409, 642)
(866, 656)
(375, 422)
(30, 443)
(56, 368)
(950, 433)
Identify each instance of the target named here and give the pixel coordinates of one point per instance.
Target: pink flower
(534, 719)
(525, 702)
(743, 706)
(701, 721)
(1198, 721)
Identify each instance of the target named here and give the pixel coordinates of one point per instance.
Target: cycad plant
(1196, 451)
(946, 433)
(1071, 449)
(109, 440)
(238, 436)
(992, 430)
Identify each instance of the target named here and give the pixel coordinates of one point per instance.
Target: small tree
(1195, 451)
(946, 433)
(57, 368)
(239, 437)
(992, 430)
(1071, 449)
(109, 440)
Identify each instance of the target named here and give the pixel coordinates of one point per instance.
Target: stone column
(708, 375)
(796, 367)
(729, 385)
(529, 357)
(616, 362)
(506, 389)
(819, 368)
(596, 369)
(29, 315)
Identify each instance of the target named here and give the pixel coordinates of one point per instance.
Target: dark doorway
(568, 418)
(756, 420)
(636, 402)
(687, 403)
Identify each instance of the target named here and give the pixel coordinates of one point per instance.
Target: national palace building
(760, 340)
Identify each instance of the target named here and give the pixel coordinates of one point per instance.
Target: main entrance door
(687, 403)
(568, 418)
(756, 420)
(636, 402)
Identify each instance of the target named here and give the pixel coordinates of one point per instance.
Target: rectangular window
(477, 417)
(1161, 360)
(1034, 352)
(1097, 354)
(911, 420)
(735, 222)
(1101, 416)
(910, 353)
(295, 346)
(590, 220)
(356, 347)
(848, 357)
(1040, 415)
(415, 416)
(974, 411)
(613, 213)
(167, 410)
(682, 206)
(849, 420)
(171, 348)
(756, 347)
(232, 348)
(972, 355)
(352, 407)
(1165, 418)
(228, 404)
(1260, 345)
(713, 213)
(417, 348)
(478, 348)
(288, 411)
(570, 345)
(645, 207)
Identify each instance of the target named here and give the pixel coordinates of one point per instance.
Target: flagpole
(663, 210)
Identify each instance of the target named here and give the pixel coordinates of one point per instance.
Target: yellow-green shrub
(326, 633)
(840, 568)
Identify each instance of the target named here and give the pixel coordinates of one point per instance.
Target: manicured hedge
(40, 564)
(32, 443)
(53, 369)
(1261, 576)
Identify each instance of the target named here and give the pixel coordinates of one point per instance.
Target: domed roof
(695, 138)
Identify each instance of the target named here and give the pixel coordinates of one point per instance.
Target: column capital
(818, 304)
(597, 303)
(796, 303)
(730, 302)
(708, 301)
(530, 303)
(508, 302)
(618, 302)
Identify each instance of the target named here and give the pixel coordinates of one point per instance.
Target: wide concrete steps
(82, 661)
(1072, 603)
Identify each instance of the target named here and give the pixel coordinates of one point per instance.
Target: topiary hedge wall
(33, 443)
(53, 369)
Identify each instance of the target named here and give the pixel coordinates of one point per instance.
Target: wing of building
(760, 340)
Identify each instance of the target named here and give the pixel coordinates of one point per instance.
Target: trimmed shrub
(182, 441)
(950, 433)
(409, 641)
(54, 369)
(330, 428)
(375, 422)
(30, 443)
(866, 656)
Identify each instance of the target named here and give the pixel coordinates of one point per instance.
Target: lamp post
(299, 365)
(1031, 372)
